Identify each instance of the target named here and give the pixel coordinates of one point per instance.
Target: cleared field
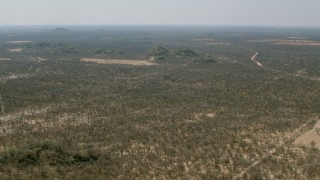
(5, 59)
(17, 42)
(294, 37)
(309, 137)
(118, 61)
(15, 50)
(210, 41)
(297, 43)
(217, 43)
(290, 41)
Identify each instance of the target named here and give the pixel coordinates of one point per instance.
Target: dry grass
(118, 61)
(26, 112)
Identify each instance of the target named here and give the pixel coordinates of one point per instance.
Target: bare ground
(291, 42)
(118, 61)
(297, 43)
(217, 43)
(295, 37)
(5, 59)
(210, 41)
(311, 135)
(15, 50)
(18, 42)
(254, 59)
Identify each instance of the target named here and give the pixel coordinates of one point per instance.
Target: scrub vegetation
(199, 108)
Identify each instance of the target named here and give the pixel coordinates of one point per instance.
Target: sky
(161, 12)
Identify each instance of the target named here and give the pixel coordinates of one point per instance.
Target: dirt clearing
(5, 59)
(118, 61)
(291, 42)
(15, 50)
(295, 37)
(310, 137)
(297, 43)
(18, 42)
(217, 43)
(210, 41)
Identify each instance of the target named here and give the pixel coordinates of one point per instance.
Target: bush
(46, 153)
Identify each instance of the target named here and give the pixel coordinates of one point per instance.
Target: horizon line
(174, 25)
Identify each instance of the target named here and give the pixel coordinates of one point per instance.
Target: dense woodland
(204, 111)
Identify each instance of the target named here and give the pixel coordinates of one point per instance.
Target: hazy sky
(181, 12)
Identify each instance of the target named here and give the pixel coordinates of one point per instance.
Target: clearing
(15, 50)
(296, 37)
(292, 42)
(311, 135)
(297, 42)
(217, 43)
(18, 42)
(118, 61)
(5, 59)
(210, 41)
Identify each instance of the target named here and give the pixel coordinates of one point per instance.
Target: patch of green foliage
(159, 53)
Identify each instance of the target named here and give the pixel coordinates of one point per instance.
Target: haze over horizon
(164, 12)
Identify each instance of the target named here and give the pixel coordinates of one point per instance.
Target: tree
(159, 53)
(313, 144)
(186, 52)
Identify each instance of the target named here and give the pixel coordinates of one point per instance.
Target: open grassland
(209, 112)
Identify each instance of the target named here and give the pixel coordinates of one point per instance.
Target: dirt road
(254, 59)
